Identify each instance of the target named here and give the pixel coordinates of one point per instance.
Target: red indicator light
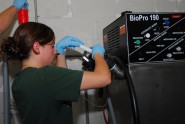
(105, 38)
(176, 16)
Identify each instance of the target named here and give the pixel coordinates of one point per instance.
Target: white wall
(84, 19)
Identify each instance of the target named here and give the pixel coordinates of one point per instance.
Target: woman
(43, 92)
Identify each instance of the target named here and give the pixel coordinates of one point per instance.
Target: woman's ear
(36, 47)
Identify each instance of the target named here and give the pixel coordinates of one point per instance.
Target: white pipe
(35, 7)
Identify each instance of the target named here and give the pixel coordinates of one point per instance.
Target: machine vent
(113, 38)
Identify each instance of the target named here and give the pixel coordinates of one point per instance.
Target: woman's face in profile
(49, 53)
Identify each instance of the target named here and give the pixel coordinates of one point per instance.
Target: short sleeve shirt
(44, 95)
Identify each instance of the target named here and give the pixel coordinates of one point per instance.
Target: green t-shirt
(44, 95)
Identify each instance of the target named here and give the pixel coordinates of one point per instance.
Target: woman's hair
(20, 45)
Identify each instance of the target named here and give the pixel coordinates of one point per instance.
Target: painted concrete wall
(84, 19)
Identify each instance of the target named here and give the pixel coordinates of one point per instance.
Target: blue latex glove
(20, 3)
(67, 42)
(97, 49)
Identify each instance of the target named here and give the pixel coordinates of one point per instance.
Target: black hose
(132, 93)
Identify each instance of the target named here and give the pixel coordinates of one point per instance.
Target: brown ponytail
(19, 46)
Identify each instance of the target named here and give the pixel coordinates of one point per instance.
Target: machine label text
(144, 17)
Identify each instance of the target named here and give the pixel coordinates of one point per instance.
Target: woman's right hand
(67, 42)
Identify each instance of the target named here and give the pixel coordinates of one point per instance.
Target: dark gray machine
(150, 49)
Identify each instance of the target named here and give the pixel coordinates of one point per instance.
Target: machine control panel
(155, 37)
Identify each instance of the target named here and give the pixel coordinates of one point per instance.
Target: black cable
(120, 74)
(132, 93)
(104, 116)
